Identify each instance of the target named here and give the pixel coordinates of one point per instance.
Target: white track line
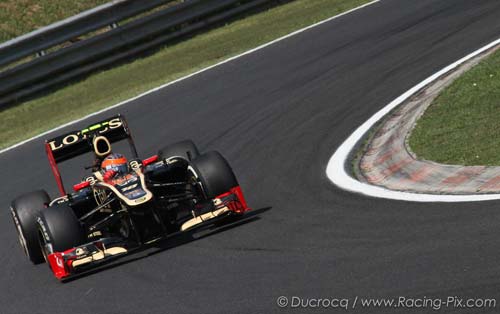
(188, 76)
(336, 169)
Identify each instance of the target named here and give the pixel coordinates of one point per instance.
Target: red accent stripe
(82, 185)
(56, 262)
(241, 205)
(55, 170)
(150, 160)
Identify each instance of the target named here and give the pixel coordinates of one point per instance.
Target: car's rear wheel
(185, 149)
(25, 210)
(214, 174)
(59, 229)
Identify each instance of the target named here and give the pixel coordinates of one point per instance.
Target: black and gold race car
(124, 204)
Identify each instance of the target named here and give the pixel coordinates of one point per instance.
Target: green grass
(462, 125)
(18, 17)
(107, 88)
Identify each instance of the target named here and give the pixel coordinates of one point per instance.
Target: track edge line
(187, 76)
(336, 167)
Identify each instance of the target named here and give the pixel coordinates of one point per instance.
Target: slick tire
(59, 227)
(25, 210)
(185, 149)
(214, 173)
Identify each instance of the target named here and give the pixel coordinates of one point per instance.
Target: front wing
(90, 255)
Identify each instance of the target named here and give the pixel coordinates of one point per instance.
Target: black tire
(214, 174)
(181, 149)
(59, 226)
(25, 210)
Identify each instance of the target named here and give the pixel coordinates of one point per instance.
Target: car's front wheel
(25, 210)
(59, 229)
(214, 174)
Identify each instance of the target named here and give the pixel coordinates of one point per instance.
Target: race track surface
(278, 115)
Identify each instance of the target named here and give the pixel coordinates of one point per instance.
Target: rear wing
(79, 142)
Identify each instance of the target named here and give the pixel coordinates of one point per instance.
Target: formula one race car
(123, 204)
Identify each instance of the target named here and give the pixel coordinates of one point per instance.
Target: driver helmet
(115, 162)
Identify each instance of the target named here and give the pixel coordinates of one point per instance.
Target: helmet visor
(122, 168)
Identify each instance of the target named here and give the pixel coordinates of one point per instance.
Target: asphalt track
(278, 115)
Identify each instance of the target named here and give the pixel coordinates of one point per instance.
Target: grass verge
(107, 88)
(462, 124)
(18, 17)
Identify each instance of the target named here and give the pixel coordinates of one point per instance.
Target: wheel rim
(195, 181)
(43, 247)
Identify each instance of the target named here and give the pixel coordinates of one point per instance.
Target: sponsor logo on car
(82, 135)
